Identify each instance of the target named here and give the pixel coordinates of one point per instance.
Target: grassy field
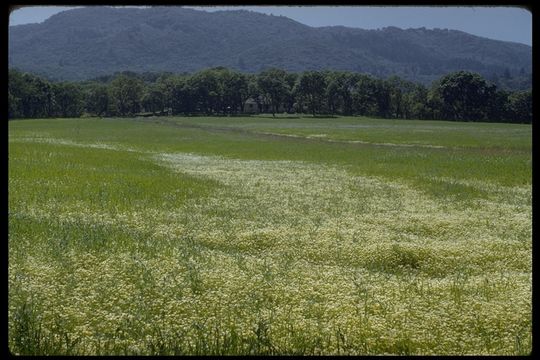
(269, 236)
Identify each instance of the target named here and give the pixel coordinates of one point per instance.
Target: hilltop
(88, 42)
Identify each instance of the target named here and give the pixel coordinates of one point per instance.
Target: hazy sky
(500, 23)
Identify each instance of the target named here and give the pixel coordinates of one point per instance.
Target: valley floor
(269, 236)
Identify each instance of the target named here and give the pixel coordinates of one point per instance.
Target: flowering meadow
(171, 236)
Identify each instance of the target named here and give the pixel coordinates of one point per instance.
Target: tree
(401, 96)
(365, 96)
(274, 87)
(205, 89)
(332, 96)
(497, 108)
(254, 91)
(96, 99)
(465, 96)
(16, 91)
(334, 100)
(462, 95)
(68, 99)
(177, 94)
(434, 102)
(415, 102)
(153, 98)
(13, 106)
(346, 82)
(290, 95)
(383, 99)
(520, 106)
(312, 86)
(167, 83)
(125, 94)
(233, 90)
(31, 96)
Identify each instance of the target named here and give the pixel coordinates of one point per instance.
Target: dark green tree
(465, 96)
(289, 101)
(520, 106)
(153, 98)
(462, 95)
(274, 87)
(96, 99)
(334, 100)
(383, 99)
(434, 102)
(398, 90)
(32, 96)
(14, 103)
(125, 94)
(497, 107)
(206, 90)
(365, 96)
(69, 100)
(189, 99)
(415, 102)
(312, 87)
(254, 91)
(233, 90)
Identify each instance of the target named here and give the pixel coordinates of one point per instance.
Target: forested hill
(89, 42)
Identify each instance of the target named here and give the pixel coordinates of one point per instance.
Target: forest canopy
(460, 96)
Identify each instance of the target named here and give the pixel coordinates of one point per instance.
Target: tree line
(459, 96)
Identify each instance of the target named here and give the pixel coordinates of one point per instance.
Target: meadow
(261, 235)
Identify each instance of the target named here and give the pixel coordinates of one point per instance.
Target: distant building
(252, 106)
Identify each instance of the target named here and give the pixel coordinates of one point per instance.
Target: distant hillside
(89, 42)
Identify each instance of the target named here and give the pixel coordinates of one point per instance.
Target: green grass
(269, 236)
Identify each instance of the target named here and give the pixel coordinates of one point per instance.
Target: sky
(499, 23)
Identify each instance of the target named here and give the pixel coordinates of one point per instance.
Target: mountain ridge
(83, 43)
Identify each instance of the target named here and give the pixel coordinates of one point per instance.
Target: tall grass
(217, 236)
